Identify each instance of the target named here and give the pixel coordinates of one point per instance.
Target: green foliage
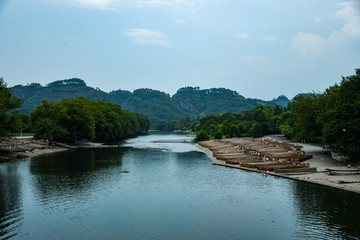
(183, 124)
(256, 130)
(287, 130)
(218, 135)
(72, 81)
(158, 106)
(339, 115)
(306, 115)
(255, 123)
(216, 100)
(9, 120)
(286, 123)
(34, 93)
(46, 121)
(25, 126)
(331, 118)
(202, 136)
(229, 126)
(77, 119)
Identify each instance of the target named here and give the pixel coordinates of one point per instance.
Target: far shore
(23, 147)
(320, 160)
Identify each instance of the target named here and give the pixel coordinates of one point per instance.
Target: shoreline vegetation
(323, 170)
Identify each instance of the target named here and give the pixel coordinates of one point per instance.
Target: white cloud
(310, 45)
(317, 20)
(116, 4)
(172, 3)
(256, 59)
(178, 20)
(146, 36)
(307, 45)
(270, 38)
(350, 12)
(101, 4)
(242, 35)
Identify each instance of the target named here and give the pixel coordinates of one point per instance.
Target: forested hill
(152, 103)
(188, 101)
(218, 100)
(155, 104)
(33, 93)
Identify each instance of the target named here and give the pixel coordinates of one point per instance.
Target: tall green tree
(46, 121)
(72, 120)
(341, 115)
(9, 121)
(78, 120)
(306, 114)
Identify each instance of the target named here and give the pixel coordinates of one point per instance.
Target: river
(154, 187)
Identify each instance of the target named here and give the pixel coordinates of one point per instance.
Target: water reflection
(10, 200)
(82, 194)
(74, 175)
(164, 141)
(326, 213)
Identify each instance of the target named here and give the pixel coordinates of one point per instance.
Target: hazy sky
(259, 48)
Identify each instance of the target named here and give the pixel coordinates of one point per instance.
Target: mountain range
(157, 105)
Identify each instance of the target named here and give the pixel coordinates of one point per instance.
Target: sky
(259, 48)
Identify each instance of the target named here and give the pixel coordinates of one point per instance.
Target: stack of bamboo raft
(261, 154)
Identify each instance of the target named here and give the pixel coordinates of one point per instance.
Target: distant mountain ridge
(215, 100)
(33, 93)
(157, 105)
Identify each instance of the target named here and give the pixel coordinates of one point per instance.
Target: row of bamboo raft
(260, 154)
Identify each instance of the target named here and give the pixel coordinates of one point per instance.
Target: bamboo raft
(344, 182)
(260, 154)
(342, 172)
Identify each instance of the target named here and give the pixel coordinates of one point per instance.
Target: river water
(171, 191)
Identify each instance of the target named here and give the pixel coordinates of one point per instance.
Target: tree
(81, 119)
(46, 121)
(202, 136)
(78, 120)
(285, 122)
(306, 115)
(340, 117)
(256, 130)
(218, 135)
(227, 127)
(9, 121)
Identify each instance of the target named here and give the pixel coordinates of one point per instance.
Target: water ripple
(9, 223)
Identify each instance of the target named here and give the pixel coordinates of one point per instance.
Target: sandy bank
(22, 147)
(49, 150)
(320, 160)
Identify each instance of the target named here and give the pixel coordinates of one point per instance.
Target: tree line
(70, 120)
(330, 118)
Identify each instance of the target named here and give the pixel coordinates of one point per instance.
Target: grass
(22, 134)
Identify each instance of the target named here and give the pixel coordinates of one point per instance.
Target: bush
(218, 135)
(202, 136)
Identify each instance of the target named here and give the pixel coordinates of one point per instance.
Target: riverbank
(23, 147)
(319, 160)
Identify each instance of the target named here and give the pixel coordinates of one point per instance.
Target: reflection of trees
(10, 200)
(74, 173)
(335, 210)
